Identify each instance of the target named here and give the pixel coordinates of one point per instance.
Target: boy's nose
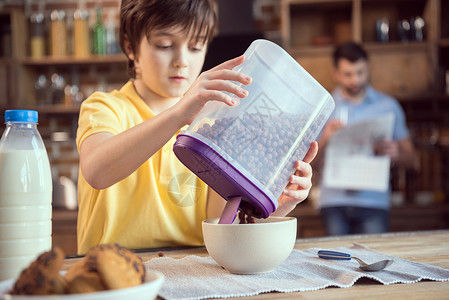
(180, 64)
(180, 61)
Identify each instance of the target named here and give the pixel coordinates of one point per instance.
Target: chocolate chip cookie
(42, 277)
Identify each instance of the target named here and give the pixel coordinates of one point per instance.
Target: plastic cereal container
(247, 152)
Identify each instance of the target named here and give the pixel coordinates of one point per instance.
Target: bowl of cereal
(250, 248)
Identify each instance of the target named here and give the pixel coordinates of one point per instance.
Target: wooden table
(430, 247)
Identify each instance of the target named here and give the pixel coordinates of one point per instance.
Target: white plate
(146, 291)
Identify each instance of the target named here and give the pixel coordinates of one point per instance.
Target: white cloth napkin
(194, 277)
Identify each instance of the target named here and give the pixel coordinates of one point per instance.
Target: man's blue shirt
(374, 104)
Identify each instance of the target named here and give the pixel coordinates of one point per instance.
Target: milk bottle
(25, 193)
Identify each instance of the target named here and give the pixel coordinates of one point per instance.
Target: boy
(132, 189)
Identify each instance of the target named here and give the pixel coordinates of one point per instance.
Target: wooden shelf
(426, 97)
(72, 60)
(397, 46)
(431, 217)
(7, 60)
(311, 29)
(310, 51)
(444, 42)
(58, 109)
(394, 46)
(50, 109)
(64, 230)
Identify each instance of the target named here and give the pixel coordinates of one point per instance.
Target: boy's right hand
(209, 86)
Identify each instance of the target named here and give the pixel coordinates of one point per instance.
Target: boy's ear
(128, 49)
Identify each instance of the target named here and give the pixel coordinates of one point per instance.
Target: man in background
(360, 211)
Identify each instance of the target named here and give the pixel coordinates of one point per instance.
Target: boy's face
(168, 62)
(352, 76)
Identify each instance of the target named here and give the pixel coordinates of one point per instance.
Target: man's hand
(388, 148)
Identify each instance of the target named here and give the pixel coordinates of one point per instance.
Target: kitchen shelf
(395, 46)
(57, 109)
(430, 217)
(311, 29)
(72, 60)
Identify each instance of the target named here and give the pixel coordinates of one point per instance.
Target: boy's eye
(163, 46)
(197, 47)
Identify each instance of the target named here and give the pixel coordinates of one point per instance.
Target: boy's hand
(297, 190)
(209, 86)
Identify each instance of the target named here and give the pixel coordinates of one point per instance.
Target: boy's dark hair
(350, 51)
(140, 17)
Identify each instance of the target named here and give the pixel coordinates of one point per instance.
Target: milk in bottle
(25, 193)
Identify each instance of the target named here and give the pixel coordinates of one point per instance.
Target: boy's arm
(105, 159)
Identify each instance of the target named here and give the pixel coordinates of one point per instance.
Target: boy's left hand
(300, 183)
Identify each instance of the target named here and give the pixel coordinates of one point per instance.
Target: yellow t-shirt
(161, 204)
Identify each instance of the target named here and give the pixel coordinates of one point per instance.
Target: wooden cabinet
(27, 82)
(310, 29)
(412, 70)
(54, 86)
(13, 35)
(64, 230)
(403, 218)
(93, 73)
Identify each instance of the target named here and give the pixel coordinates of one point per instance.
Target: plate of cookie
(106, 272)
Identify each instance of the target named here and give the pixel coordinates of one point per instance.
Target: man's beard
(355, 92)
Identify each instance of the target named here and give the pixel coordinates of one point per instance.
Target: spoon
(377, 266)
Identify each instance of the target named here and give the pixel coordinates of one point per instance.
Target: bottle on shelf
(58, 34)
(57, 88)
(42, 89)
(25, 193)
(37, 35)
(99, 30)
(81, 41)
(111, 37)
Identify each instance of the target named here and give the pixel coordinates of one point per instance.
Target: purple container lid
(221, 175)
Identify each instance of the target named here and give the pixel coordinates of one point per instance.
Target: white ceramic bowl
(250, 248)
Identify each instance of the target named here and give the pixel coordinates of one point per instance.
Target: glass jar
(37, 35)
(81, 41)
(58, 33)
